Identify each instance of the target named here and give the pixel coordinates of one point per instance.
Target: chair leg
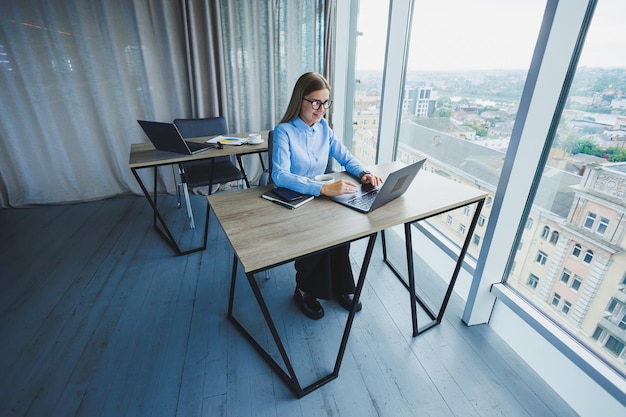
(178, 184)
(192, 224)
(183, 183)
(245, 177)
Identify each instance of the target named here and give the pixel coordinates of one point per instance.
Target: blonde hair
(306, 84)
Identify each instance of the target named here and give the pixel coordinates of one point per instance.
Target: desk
(144, 155)
(248, 219)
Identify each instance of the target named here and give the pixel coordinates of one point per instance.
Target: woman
(303, 143)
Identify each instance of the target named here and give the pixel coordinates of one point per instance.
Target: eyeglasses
(316, 104)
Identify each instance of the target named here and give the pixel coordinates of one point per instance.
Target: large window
(368, 77)
(463, 94)
(459, 88)
(581, 195)
(467, 64)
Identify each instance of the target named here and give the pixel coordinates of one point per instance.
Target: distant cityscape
(571, 261)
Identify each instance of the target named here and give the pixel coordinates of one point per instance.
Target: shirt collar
(300, 124)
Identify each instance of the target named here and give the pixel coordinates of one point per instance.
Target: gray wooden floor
(99, 318)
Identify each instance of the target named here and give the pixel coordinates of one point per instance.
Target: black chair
(266, 176)
(219, 170)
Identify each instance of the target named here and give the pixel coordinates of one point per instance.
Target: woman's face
(307, 113)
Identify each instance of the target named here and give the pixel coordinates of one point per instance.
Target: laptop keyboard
(364, 201)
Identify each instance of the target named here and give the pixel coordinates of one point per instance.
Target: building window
(576, 283)
(565, 308)
(565, 276)
(614, 345)
(466, 211)
(541, 258)
(533, 280)
(449, 220)
(476, 240)
(622, 323)
(576, 250)
(555, 237)
(461, 229)
(556, 299)
(612, 305)
(588, 224)
(545, 233)
(597, 333)
(603, 224)
(529, 223)
(481, 220)
(588, 257)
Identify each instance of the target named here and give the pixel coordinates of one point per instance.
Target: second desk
(144, 156)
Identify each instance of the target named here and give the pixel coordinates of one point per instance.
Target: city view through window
(571, 259)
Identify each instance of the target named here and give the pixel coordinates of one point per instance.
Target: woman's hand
(338, 188)
(371, 179)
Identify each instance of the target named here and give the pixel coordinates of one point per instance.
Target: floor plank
(98, 317)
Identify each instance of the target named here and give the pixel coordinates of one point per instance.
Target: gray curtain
(245, 56)
(77, 75)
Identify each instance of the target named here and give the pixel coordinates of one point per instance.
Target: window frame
(541, 258)
(533, 281)
(589, 221)
(554, 237)
(556, 300)
(603, 223)
(566, 307)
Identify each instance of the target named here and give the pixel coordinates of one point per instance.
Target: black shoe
(346, 301)
(309, 305)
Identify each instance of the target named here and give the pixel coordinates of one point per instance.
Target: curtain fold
(77, 75)
(244, 57)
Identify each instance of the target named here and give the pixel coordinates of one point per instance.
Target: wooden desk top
(144, 155)
(264, 234)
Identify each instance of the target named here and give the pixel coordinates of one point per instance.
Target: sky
(485, 34)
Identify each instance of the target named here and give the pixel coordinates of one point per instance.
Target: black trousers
(326, 274)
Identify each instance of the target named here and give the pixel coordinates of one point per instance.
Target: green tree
(586, 146)
(442, 112)
(618, 155)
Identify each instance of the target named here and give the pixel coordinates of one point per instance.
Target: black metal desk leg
(164, 231)
(459, 262)
(290, 377)
(411, 271)
(435, 317)
(357, 296)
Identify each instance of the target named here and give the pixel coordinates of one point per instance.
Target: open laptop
(166, 137)
(369, 198)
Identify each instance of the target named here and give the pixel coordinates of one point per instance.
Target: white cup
(324, 178)
(255, 138)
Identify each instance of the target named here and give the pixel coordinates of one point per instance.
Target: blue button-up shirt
(301, 152)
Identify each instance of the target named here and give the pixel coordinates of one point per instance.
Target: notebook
(166, 137)
(369, 198)
(286, 197)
